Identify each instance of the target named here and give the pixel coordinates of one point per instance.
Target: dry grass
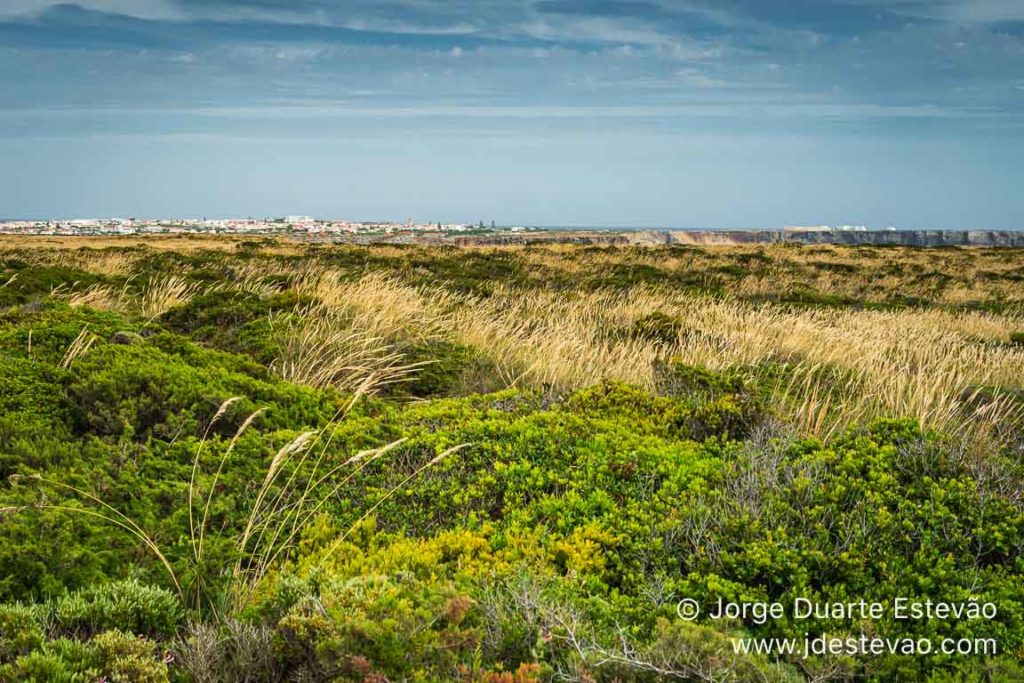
(843, 365)
(321, 350)
(162, 294)
(108, 263)
(102, 297)
(349, 336)
(924, 364)
(378, 304)
(156, 298)
(78, 347)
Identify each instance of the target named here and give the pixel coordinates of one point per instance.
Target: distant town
(297, 225)
(308, 229)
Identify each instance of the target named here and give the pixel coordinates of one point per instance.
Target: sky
(652, 113)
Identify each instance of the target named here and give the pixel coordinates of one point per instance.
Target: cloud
(607, 8)
(591, 29)
(961, 11)
(553, 53)
(146, 9)
(67, 25)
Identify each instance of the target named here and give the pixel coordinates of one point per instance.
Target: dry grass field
(846, 334)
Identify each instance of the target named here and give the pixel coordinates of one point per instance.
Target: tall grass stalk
(387, 496)
(192, 529)
(115, 517)
(78, 347)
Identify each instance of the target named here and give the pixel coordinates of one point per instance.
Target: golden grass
(843, 365)
(162, 294)
(252, 278)
(378, 303)
(105, 262)
(156, 298)
(78, 347)
(320, 350)
(923, 364)
(101, 297)
(349, 336)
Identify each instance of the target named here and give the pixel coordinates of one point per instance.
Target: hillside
(249, 460)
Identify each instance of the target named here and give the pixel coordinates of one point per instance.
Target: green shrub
(396, 626)
(236, 322)
(439, 375)
(658, 327)
(21, 630)
(126, 605)
(125, 658)
(31, 403)
(677, 379)
(34, 281)
(143, 391)
(111, 656)
(58, 661)
(598, 507)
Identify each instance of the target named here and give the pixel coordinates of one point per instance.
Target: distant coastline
(910, 238)
(306, 229)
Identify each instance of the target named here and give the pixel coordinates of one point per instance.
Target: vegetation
(256, 460)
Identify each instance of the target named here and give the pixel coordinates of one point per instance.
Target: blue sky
(700, 113)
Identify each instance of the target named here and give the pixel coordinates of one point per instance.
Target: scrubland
(233, 459)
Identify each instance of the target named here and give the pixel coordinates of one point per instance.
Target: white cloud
(598, 29)
(386, 26)
(987, 10)
(697, 79)
(966, 11)
(147, 9)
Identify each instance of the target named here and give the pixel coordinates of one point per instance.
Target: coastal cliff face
(908, 238)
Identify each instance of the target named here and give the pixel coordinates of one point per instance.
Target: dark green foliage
(445, 369)
(31, 398)
(658, 327)
(24, 282)
(675, 378)
(472, 272)
(170, 387)
(835, 267)
(233, 322)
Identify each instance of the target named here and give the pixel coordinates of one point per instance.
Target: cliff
(909, 238)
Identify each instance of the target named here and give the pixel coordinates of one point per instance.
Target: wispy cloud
(859, 55)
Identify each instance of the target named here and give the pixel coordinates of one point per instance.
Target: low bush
(111, 656)
(125, 605)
